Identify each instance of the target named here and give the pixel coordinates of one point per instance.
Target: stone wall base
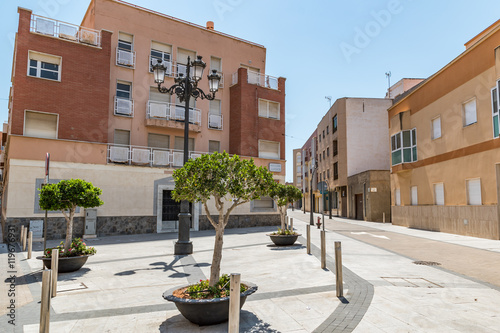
(243, 221)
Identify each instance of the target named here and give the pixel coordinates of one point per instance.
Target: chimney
(210, 25)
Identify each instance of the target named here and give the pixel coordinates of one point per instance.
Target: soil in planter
(181, 293)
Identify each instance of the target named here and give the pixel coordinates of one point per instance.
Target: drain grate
(427, 263)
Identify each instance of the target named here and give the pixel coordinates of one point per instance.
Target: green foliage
(284, 194)
(203, 290)
(68, 194)
(283, 232)
(77, 248)
(222, 176)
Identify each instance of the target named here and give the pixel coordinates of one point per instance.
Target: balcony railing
(215, 121)
(125, 58)
(68, 31)
(124, 107)
(148, 156)
(259, 79)
(168, 64)
(171, 111)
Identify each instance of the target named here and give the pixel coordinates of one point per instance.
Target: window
(269, 109)
(404, 147)
(324, 175)
(474, 192)
(320, 177)
(495, 108)
(179, 143)
(414, 196)
(469, 110)
(40, 124)
(163, 52)
(214, 115)
(124, 105)
(397, 197)
(323, 134)
(319, 137)
(323, 154)
(335, 148)
(124, 52)
(182, 60)
(320, 157)
(335, 170)
(158, 140)
(264, 203)
(439, 194)
(334, 122)
(216, 63)
(269, 149)
(44, 66)
(327, 151)
(327, 130)
(436, 128)
(328, 174)
(213, 146)
(121, 137)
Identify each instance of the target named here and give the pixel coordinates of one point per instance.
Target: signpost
(47, 161)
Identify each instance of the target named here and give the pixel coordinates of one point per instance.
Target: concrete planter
(66, 264)
(284, 240)
(206, 311)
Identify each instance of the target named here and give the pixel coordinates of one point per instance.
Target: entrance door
(170, 213)
(359, 206)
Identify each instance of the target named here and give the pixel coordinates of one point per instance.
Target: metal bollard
(291, 223)
(21, 237)
(308, 246)
(45, 302)
(54, 267)
(383, 217)
(323, 249)
(323, 215)
(338, 269)
(25, 235)
(234, 303)
(30, 244)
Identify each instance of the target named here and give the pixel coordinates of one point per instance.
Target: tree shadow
(161, 265)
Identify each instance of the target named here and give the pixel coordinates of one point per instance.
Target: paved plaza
(120, 289)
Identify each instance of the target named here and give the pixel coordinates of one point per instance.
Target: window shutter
(44, 58)
(414, 196)
(474, 192)
(436, 128)
(470, 112)
(264, 202)
(41, 125)
(398, 197)
(213, 146)
(216, 63)
(122, 137)
(179, 143)
(274, 110)
(183, 54)
(215, 107)
(155, 95)
(161, 47)
(439, 194)
(125, 37)
(158, 140)
(269, 149)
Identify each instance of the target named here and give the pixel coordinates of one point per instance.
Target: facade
(352, 160)
(445, 146)
(86, 95)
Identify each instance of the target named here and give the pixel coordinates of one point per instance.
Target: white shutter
(215, 107)
(183, 54)
(56, 60)
(439, 194)
(470, 112)
(140, 156)
(274, 110)
(414, 196)
(161, 157)
(264, 202)
(262, 108)
(126, 37)
(398, 197)
(161, 47)
(121, 137)
(269, 149)
(436, 128)
(155, 95)
(41, 125)
(474, 192)
(118, 154)
(158, 140)
(215, 63)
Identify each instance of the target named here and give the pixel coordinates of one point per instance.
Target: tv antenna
(329, 98)
(388, 74)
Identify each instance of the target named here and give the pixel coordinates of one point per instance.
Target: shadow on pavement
(161, 265)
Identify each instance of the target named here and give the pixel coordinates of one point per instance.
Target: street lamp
(311, 218)
(329, 199)
(185, 87)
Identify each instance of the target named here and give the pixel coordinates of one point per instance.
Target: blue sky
(323, 48)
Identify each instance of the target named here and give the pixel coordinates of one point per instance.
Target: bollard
(383, 217)
(308, 246)
(323, 215)
(30, 243)
(25, 235)
(234, 303)
(54, 267)
(45, 302)
(287, 222)
(323, 249)
(21, 237)
(291, 223)
(338, 269)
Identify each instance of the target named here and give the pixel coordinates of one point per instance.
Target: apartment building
(86, 95)
(445, 146)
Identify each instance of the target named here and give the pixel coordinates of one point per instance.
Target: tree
(283, 195)
(230, 181)
(66, 196)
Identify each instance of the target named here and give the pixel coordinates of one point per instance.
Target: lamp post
(311, 218)
(329, 199)
(186, 87)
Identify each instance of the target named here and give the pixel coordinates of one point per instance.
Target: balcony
(49, 27)
(259, 79)
(125, 58)
(147, 156)
(215, 121)
(163, 114)
(124, 107)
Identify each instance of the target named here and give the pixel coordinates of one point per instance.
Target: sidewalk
(119, 289)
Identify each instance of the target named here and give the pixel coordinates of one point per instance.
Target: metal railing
(49, 27)
(124, 107)
(171, 111)
(215, 121)
(148, 156)
(125, 58)
(259, 79)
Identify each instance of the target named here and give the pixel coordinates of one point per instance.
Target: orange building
(445, 145)
(86, 95)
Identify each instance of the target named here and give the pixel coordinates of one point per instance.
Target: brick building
(86, 95)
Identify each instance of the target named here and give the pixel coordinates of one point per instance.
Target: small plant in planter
(66, 196)
(77, 248)
(283, 195)
(203, 290)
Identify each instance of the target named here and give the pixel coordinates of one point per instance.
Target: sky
(323, 48)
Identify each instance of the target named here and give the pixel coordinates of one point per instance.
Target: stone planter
(284, 240)
(206, 311)
(66, 264)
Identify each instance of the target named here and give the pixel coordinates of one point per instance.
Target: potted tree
(283, 195)
(66, 196)
(230, 182)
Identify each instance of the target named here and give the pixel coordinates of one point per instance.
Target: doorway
(359, 206)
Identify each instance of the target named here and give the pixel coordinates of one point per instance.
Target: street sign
(322, 187)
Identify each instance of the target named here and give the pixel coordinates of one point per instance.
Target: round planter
(284, 240)
(206, 311)
(66, 264)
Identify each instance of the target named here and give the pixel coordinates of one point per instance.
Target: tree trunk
(282, 217)
(217, 256)
(69, 228)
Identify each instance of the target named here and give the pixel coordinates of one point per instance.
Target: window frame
(495, 113)
(41, 112)
(464, 114)
(268, 102)
(402, 147)
(38, 68)
(435, 196)
(334, 124)
(432, 128)
(271, 158)
(397, 197)
(412, 198)
(467, 190)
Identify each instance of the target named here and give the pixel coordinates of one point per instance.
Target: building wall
(374, 186)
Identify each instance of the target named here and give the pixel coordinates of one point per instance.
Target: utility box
(90, 223)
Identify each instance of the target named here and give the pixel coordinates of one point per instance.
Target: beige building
(445, 146)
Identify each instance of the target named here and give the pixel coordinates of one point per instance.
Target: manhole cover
(427, 263)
